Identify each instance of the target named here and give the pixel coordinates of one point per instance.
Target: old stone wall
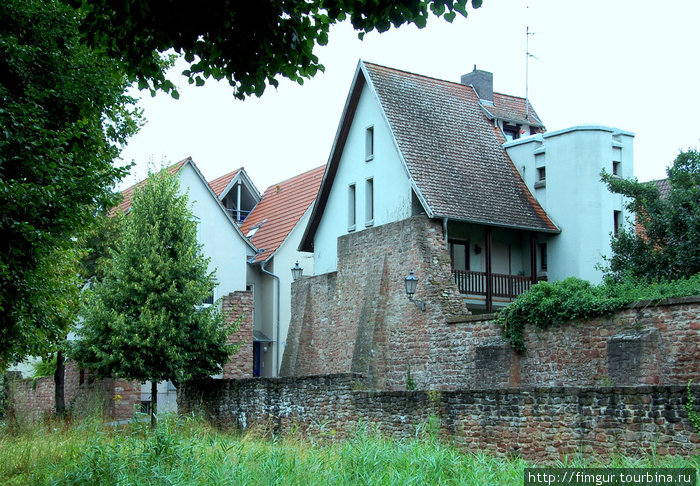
(359, 319)
(239, 305)
(83, 394)
(535, 423)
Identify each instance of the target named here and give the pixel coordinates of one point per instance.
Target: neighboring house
(516, 205)
(275, 227)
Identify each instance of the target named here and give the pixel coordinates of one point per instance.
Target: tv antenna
(528, 55)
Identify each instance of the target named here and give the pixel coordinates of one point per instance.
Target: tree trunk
(59, 380)
(154, 402)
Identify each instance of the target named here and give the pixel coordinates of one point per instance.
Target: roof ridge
(417, 74)
(292, 178)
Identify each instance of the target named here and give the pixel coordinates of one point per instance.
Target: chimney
(482, 81)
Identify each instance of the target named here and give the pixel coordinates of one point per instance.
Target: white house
(275, 227)
(474, 160)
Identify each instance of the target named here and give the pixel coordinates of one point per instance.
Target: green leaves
(668, 243)
(64, 115)
(248, 44)
(144, 320)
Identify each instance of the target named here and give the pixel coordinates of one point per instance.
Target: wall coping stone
(691, 299)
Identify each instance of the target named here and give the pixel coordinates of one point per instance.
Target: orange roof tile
(280, 209)
(219, 184)
(128, 194)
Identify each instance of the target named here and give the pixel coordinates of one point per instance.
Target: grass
(189, 452)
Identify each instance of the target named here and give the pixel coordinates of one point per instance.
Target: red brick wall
(360, 320)
(116, 398)
(237, 305)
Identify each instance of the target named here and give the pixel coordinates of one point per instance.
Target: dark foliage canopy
(249, 44)
(63, 114)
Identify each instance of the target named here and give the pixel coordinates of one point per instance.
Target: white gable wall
(221, 242)
(392, 188)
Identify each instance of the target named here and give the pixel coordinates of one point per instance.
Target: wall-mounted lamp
(477, 249)
(296, 272)
(264, 349)
(411, 281)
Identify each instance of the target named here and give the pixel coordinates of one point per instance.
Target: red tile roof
(219, 184)
(128, 194)
(280, 209)
(454, 153)
(512, 109)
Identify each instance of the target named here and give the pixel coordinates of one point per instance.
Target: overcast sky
(630, 64)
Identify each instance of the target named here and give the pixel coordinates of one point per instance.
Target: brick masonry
(534, 423)
(83, 394)
(117, 397)
(239, 305)
(359, 319)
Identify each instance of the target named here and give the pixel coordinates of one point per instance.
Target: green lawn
(188, 452)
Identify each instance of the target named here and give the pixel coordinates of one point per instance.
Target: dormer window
(511, 131)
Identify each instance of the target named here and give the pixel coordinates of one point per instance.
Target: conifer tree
(144, 320)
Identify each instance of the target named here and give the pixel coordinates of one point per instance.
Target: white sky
(630, 64)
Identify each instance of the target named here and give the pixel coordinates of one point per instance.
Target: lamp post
(296, 272)
(411, 282)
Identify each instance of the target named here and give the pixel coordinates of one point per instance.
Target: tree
(667, 243)
(63, 116)
(144, 320)
(247, 43)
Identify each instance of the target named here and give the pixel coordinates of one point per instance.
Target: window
(369, 143)
(543, 256)
(459, 255)
(351, 207)
(369, 202)
(617, 221)
(616, 169)
(510, 131)
(541, 178)
(209, 300)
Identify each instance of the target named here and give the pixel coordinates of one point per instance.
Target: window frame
(352, 206)
(369, 201)
(369, 143)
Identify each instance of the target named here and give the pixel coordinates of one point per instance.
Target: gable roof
(279, 211)
(220, 184)
(128, 195)
(452, 151)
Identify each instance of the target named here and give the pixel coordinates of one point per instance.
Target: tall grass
(189, 452)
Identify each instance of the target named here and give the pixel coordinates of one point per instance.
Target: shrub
(547, 304)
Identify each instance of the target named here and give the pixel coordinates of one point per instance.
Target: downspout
(444, 232)
(277, 334)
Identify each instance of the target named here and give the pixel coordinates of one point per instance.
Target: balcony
(502, 285)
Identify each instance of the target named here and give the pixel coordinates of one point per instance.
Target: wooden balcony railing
(509, 286)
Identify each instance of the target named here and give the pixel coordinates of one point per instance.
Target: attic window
(541, 174)
(369, 143)
(511, 131)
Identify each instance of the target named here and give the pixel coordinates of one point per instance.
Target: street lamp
(411, 281)
(296, 272)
